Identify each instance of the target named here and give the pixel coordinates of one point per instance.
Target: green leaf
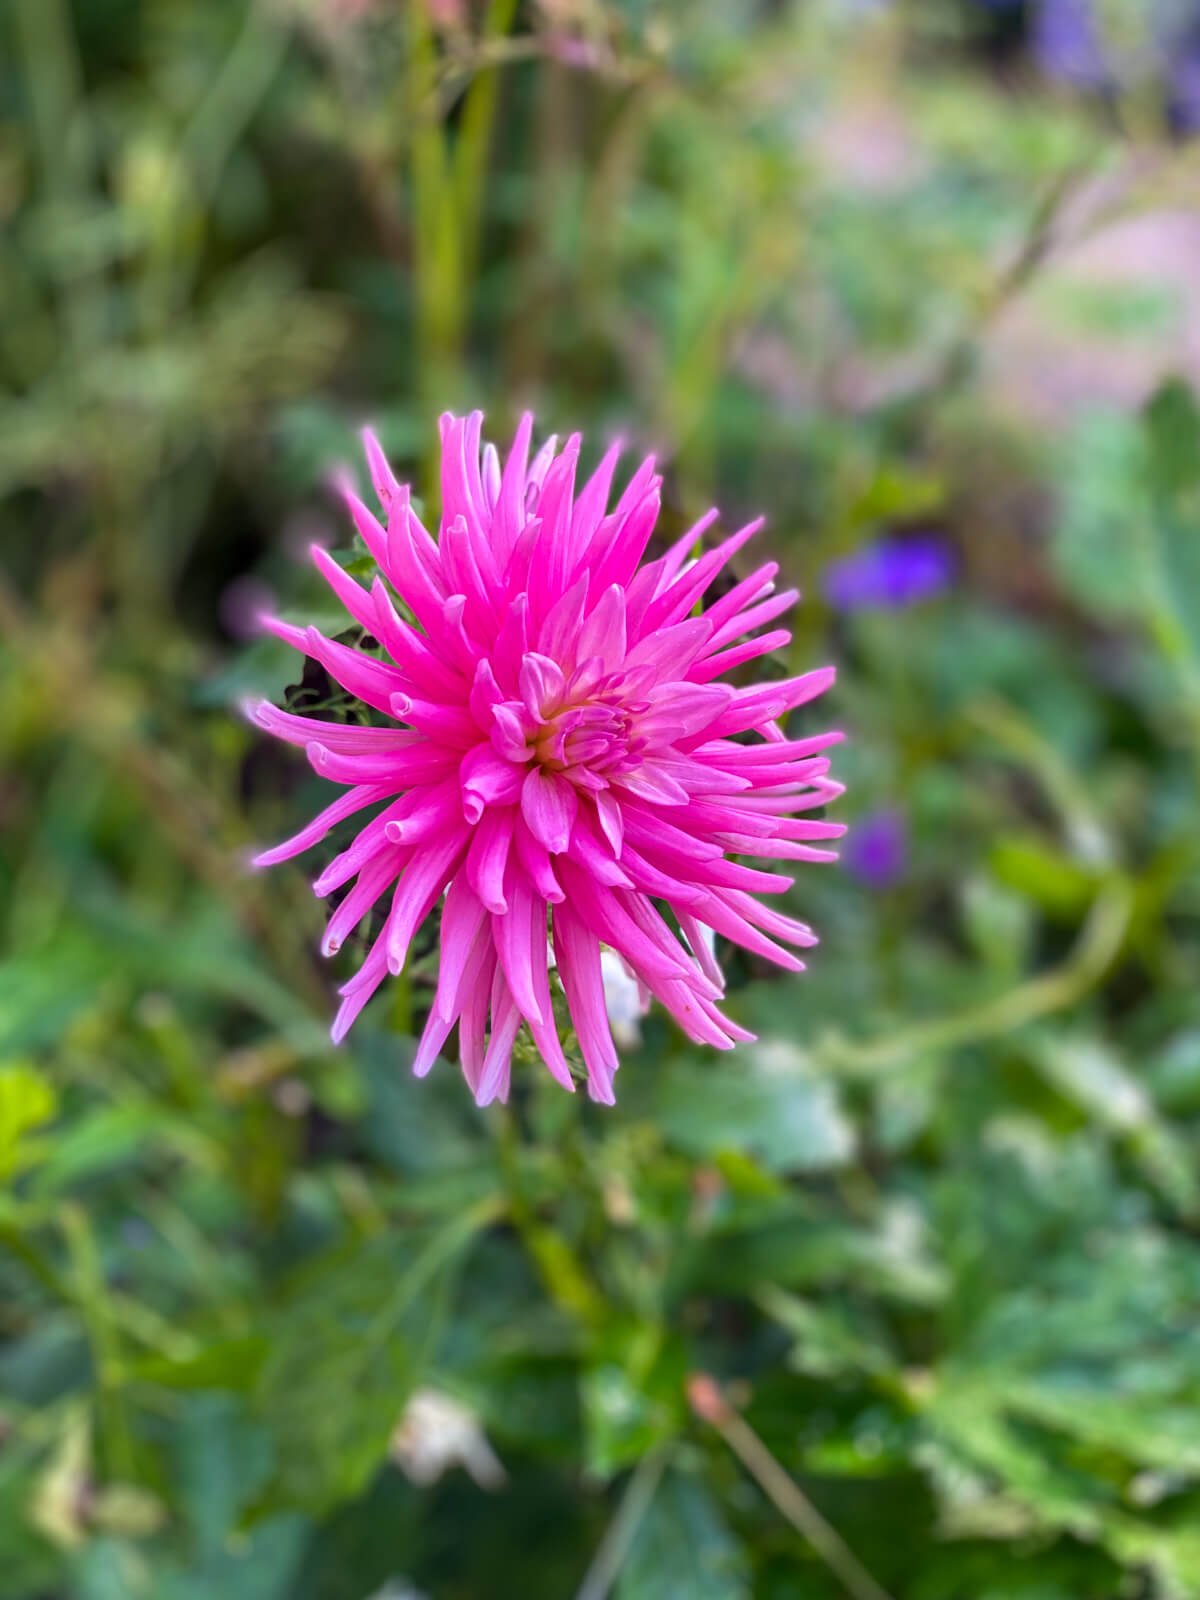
(796, 1249)
(266, 1562)
(769, 1103)
(27, 1101)
(631, 1395)
(112, 1137)
(684, 1549)
(831, 1340)
(222, 1459)
(1172, 425)
(348, 1347)
(1091, 1075)
(1103, 522)
(420, 1126)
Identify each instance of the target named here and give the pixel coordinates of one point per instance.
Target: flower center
(590, 728)
(593, 735)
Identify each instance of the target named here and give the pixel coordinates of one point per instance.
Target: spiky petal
(553, 753)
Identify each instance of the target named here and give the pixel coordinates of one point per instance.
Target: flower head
(551, 749)
(890, 574)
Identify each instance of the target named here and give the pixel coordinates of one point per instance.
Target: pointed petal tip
(383, 479)
(268, 622)
(340, 481)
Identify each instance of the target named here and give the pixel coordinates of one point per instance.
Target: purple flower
(1185, 90)
(891, 573)
(1067, 43)
(876, 849)
(553, 752)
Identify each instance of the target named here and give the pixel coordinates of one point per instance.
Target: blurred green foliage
(936, 1234)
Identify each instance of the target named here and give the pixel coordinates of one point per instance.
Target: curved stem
(1096, 949)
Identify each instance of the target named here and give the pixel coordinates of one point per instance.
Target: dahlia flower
(552, 751)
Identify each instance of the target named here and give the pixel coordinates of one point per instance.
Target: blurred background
(922, 282)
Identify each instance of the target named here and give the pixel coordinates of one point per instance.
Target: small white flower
(398, 1589)
(435, 1433)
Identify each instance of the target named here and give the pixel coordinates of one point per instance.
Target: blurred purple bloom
(890, 573)
(876, 849)
(1185, 90)
(1066, 42)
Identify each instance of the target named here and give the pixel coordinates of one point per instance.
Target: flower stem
(711, 1406)
(618, 1538)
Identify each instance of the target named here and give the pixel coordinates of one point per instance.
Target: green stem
(567, 1284)
(95, 1306)
(440, 1250)
(1097, 948)
(788, 1498)
(1064, 789)
(614, 1547)
(474, 137)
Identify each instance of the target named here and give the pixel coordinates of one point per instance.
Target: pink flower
(552, 750)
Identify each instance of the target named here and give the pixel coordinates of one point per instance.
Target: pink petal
(506, 1020)
(488, 780)
(542, 684)
(488, 856)
(344, 806)
(512, 936)
(578, 953)
(549, 805)
(426, 875)
(535, 860)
